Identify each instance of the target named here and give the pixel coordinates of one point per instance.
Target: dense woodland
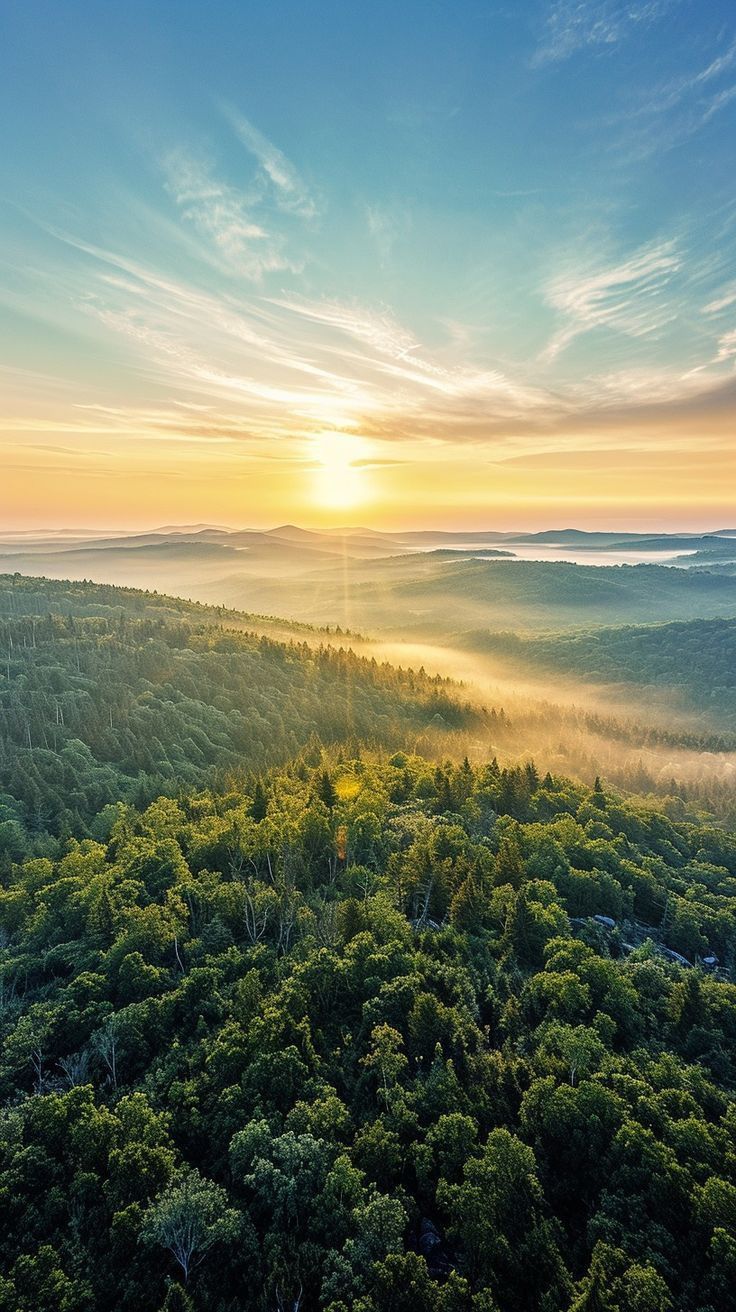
(354, 1040)
(696, 658)
(109, 694)
(294, 1021)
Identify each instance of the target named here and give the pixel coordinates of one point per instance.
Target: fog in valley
(592, 667)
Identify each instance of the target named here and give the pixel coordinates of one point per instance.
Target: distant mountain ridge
(359, 540)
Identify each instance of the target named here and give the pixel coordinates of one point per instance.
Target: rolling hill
(110, 694)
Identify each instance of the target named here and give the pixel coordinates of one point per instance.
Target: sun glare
(340, 475)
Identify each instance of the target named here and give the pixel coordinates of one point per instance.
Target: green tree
(259, 805)
(189, 1218)
(496, 1215)
(326, 790)
(387, 1059)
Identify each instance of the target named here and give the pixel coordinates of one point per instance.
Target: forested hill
(110, 694)
(31, 595)
(376, 1037)
(423, 594)
(696, 658)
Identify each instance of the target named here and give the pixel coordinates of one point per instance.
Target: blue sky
(485, 251)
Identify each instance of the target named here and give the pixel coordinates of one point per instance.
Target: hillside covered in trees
(695, 658)
(111, 693)
(108, 693)
(372, 1035)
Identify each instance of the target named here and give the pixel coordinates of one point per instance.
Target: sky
(397, 264)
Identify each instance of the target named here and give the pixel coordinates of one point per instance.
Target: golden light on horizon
(340, 480)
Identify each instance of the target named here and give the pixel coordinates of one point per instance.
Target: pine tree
(509, 863)
(259, 805)
(326, 791)
(102, 922)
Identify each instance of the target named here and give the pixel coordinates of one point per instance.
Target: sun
(340, 479)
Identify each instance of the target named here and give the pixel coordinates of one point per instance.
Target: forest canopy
(376, 1034)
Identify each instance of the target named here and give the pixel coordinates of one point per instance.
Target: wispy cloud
(387, 225)
(719, 102)
(724, 299)
(247, 226)
(720, 64)
(625, 297)
(670, 111)
(665, 96)
(406, 360)
(377, 328)
(273, 371)
(574, 25)
(225, 216)
(727, 346)
(291, 192)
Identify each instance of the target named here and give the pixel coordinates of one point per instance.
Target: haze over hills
(662, 690)
(401, 582)
(357, 537)
(443, 591)
(439, 603)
